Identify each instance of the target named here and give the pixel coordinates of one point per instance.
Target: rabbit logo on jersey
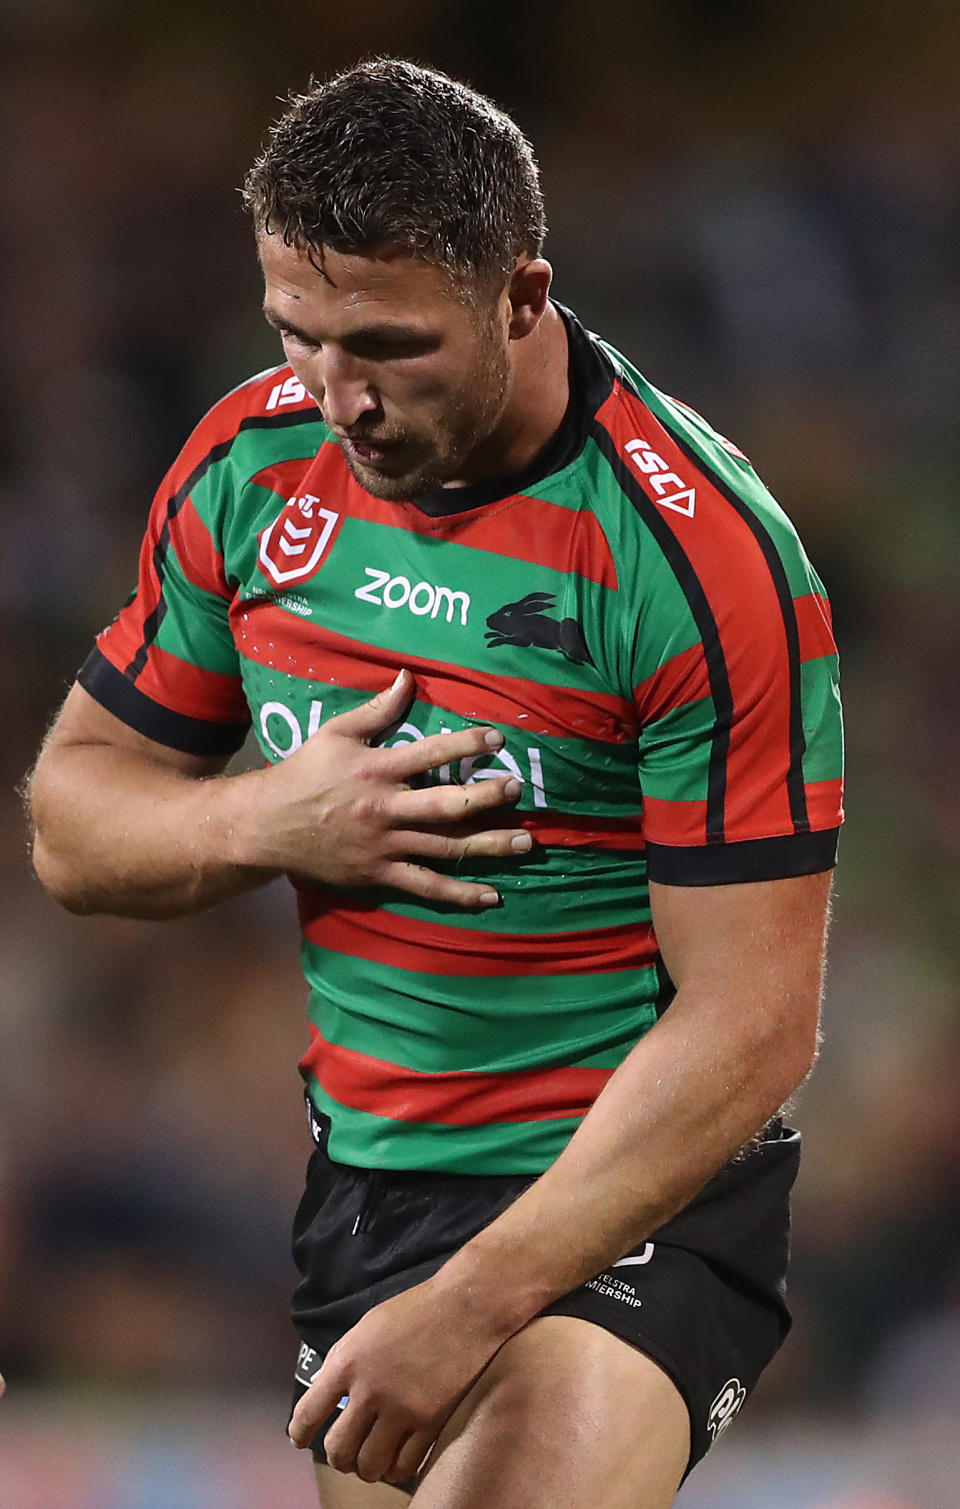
(292, 547)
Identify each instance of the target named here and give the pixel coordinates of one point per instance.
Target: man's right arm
(125, 825)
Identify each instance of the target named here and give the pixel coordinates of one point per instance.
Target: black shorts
(704, 1297)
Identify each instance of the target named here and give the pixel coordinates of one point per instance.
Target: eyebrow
(389, 334)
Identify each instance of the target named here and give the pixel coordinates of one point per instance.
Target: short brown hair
(392, 153)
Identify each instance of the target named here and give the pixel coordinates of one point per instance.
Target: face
(412, 380)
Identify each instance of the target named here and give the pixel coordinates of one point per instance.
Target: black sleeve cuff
(120, 696)
(756, 859)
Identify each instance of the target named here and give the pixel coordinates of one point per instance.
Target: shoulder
(270, 416)
(662, 447)
(680, 484)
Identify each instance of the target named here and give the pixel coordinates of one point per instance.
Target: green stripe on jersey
(515, 1147)
(195, 625)
(288, 708)
(823, 725)
(552, 890)
(500, 1022)
(672, 747)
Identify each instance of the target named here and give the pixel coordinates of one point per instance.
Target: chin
(402, 489)
(392, 489)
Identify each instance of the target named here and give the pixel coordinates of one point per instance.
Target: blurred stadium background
(760, 203)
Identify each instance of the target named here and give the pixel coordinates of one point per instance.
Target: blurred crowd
(760, 205)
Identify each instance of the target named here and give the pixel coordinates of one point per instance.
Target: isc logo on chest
(292, 547)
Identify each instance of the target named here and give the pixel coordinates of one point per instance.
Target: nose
(346, 391)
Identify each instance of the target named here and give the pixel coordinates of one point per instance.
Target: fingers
(377, 1451)
(315, 1406)
(415, 758)
(433, 887)
(410, 1457)
(373, 717)
(345, 1438)
(454, 804)
(490, 844)
(440, 749)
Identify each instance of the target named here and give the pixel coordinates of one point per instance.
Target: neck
(536, 403)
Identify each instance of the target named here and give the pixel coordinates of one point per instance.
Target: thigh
(339, 1490)
(566, 1416)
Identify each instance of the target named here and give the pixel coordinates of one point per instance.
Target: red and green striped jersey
(637, 616)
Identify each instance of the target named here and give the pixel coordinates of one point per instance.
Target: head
(399, 223)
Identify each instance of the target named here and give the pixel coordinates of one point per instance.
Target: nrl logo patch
(292, 547)
(525, 623)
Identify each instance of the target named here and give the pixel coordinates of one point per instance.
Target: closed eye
(378, 346)
(296, 338)
(371, 343)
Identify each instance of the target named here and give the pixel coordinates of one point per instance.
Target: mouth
(370, 453)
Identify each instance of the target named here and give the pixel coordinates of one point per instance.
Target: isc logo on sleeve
(291, 391)
(663, 481)
(292, 547)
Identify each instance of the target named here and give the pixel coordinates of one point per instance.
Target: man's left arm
(738, 1037)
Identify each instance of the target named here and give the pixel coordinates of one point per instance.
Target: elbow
(55, 865)
(59, 879)
(792, 1054)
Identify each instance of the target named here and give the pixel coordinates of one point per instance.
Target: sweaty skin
(455, 390)
(131, 827)
(423, 389)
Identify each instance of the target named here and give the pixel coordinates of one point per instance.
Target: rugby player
(546, 691)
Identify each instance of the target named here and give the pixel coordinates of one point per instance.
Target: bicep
(83, 722)
(758, 945)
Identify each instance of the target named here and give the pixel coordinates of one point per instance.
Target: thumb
(375, 717)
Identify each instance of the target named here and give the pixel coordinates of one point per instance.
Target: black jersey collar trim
(591, 375)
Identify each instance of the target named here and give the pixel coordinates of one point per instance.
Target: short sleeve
(168, 665)
(736, 691)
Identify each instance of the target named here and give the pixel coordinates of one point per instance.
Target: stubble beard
(472, 418)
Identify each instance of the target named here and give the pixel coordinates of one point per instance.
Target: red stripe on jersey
(815, 626)
(317, 654)
(683, 678)
(686, 822)
(121, 640)
(679, 823)
(457, 1098)
(573, 830)
(178, 685)
(290, 478)
(825, 803)
(728, 562)
(546, 534)
(431, 948)
(521, 528)
(198, 557)
(224, 419)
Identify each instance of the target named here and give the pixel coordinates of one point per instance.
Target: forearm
(682, 1103)
(124, 824)
(114, 834)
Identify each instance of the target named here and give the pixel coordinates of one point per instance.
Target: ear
(527, 293)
